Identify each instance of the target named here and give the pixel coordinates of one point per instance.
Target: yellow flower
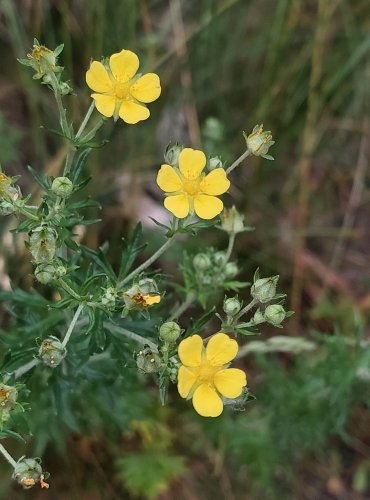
(118, 91)
(189, 190)
(203, 376)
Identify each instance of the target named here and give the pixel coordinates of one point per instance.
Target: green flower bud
(28, 472)
(259, 142)
(231, 270)
(8, 397)
(201, 262)
(215, 162)
(148, 361)
(169, 332)
(52, 352)
(275, 314)
(7, 208)
(65, 88)
(172, 153)
(62, 186)
(219, 258)
(45, 273)
(109, 298)
(232, 221)
(43, 244)
(264, 289)
(232, 306)
(258, 318)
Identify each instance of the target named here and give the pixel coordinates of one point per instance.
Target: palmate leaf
(100, 259)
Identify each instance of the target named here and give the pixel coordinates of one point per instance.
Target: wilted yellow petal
(105, 104)
(178, 204)
(131, 112)
(190, 351)
(97, 78)
(147, 88)
(168, 179)
(207, 402)
(191, 163)
(230, 382)
(185, 381)
(221, 349)
(124, 65)
(207, 207)
(151, 299)
(215, 182)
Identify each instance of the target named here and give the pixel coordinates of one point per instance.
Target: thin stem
(25, 368)
(238, 161)
(183, 307)
(72, 325)
(90, 135)
(58, 98)
(69, 160)
(86, 119)
(245, 309)
(68, 289)
(28, 213)
(8, 457)
(131, 335)
(148, 262)
(230, 247)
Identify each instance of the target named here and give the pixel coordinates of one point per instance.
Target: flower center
(121, 90)
(191, 187)
(206, 372)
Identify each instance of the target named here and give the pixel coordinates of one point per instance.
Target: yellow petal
(147, 88)
(178, 204)
(130, 112)
(207, 207)
(207, 402)
(191, 163)
(190, 351)
(97, 78)
(105, 104)
(168, 179)
(230, 382)
(124, 65)
(215, 182)
(151, 299)
(221, 349)
(185, 381)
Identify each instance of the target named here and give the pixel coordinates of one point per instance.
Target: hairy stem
(8, 457)
(68, 289)
(131, 335)
(230, 247)
(72, 325)
(182, 307)
(85, 120)
(238, 161)
(245, 309)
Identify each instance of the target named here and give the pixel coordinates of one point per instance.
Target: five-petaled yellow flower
(118, 91)
(203, 374)
(189, 190)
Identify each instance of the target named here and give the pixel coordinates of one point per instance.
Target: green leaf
(131, 251)
(80, 164)
(41, 179)
(197, 325)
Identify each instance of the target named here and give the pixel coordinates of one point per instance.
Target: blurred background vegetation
(301, 67)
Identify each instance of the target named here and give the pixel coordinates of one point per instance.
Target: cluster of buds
(259, 142)
(28, 472)
(9, 194)
(233, 222)
(42, 244)
(141, 295)
(52, 352)
(148, 361)
(172, 153)
(212, 269)
(46, 273)
(8, 401)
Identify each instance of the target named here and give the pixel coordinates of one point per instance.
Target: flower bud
(62, 186)
(148, 361)
(259, 142)
(275, 314)
(6, 208)
(43, 244)
(52, 352)
(232, 221)
(258, 318)
(109, 298)
(169, 332)
(28, 472)
(8, 397)
(42, 60)
(65, 88)
(201, 262)
(232, 306)
(264, 289)
(231, 270)
(219, 258)
(45, 273)
(172, 153)
(215, 162)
